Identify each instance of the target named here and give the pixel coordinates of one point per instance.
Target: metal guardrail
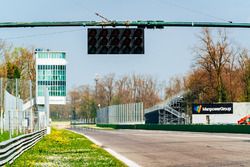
(13, 148)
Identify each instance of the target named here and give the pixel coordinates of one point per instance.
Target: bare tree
(244, 64)
(145, 90)
(212, 56)
(175, 85)
(74, 97)
(122, 91)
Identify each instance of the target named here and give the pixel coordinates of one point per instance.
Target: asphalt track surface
(177, 149)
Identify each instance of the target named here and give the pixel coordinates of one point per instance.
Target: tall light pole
(162, 89)
(97, 76)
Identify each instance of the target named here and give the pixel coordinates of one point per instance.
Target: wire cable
(37, 35)
(196, 11)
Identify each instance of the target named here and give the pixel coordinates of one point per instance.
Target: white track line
(125, 160)
(122, 158)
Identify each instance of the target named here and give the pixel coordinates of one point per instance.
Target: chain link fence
(17, 105)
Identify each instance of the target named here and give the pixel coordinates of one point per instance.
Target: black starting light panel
(115, 41)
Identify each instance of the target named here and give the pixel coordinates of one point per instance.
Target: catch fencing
(19, 114)
(121, 114)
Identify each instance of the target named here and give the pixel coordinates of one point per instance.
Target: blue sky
(168, 52)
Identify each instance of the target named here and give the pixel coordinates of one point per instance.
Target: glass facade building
(51, 73)
(54, 77)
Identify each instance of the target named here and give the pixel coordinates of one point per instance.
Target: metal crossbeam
(142, 24)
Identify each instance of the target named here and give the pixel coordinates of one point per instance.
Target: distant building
(51, 73)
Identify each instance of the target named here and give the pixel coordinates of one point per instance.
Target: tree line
(17, 63)
(220, 73)
(109, 90)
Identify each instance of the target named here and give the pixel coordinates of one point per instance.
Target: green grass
(65, 148)
(6, 135)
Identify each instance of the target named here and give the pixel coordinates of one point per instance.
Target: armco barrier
(13, 148)
(192, 128)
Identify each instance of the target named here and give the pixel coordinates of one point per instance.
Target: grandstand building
(171, 111)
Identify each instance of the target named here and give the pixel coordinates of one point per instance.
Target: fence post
(142, 112)
(31, 113)
(46, 99)
(15, 115)
(10, 131)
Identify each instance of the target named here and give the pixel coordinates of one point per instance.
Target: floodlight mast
(140, 24)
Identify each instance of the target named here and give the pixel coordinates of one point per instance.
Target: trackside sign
(216, 108)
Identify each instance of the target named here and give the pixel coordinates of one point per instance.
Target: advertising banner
(216, 108)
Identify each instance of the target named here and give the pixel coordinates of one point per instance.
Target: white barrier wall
(13, 114)
(239, 110)
(121, 114)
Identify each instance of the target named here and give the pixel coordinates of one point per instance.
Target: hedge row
(192, 128)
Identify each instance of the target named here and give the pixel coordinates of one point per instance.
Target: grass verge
(65, 148)
(6, 136)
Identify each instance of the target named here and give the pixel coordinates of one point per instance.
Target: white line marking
(125, 160)
(193, 135)
(122, 158)
(93, 140)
